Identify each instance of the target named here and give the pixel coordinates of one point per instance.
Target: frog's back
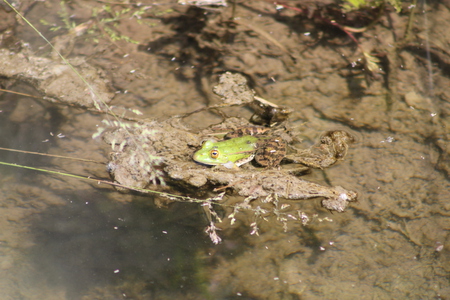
(243, 144)
(247, 131)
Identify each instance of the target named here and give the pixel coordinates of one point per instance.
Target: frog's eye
(214, 153)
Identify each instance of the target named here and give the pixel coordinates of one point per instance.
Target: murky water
(63, 238)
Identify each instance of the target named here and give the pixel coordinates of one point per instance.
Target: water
(62, 238)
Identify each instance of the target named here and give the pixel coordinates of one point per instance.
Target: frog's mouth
(205, 164)
(200, 159)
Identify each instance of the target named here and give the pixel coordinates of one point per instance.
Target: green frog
(242, 146)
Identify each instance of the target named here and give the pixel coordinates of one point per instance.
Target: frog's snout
(196, 156)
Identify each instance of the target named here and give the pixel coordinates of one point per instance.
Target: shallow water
(62, 238)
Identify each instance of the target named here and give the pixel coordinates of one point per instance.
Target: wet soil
(392, 243)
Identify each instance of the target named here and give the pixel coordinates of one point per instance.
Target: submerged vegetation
(103, 22)
(351, 5)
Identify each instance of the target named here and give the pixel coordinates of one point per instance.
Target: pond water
(66, 238)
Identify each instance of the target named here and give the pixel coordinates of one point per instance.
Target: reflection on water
(92, 241)
(61, 238)
(65, 239)
(18, 126)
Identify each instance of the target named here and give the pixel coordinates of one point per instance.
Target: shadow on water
(391, 244)
(96, 242)
(25, 125)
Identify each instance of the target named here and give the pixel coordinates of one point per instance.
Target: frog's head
(210, 154)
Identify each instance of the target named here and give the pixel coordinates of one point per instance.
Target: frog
(242, 146)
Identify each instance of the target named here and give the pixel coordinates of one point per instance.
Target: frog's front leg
(235, 165)
(270, 152)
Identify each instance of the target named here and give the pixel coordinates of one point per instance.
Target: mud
(391, 243)
(57, 81)
(161, 153)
